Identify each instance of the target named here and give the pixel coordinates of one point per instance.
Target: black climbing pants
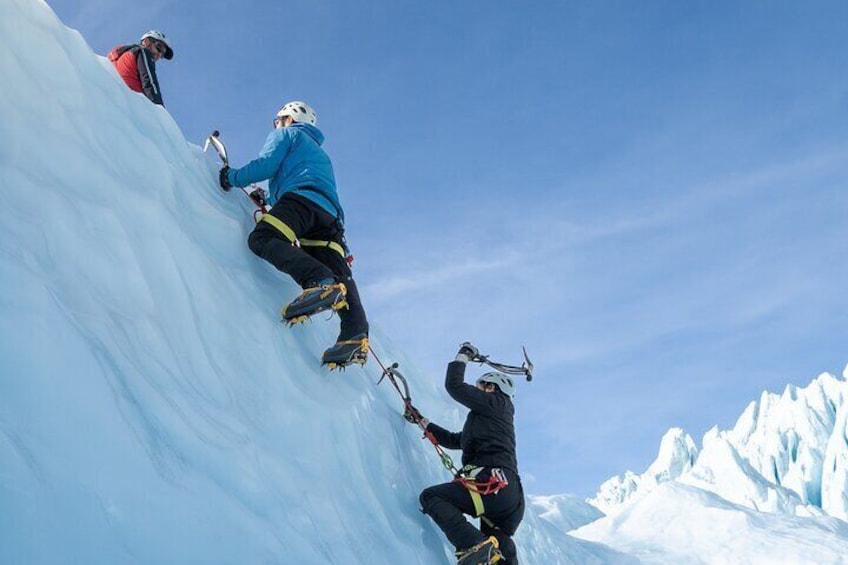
(447, 503)
(308, 265)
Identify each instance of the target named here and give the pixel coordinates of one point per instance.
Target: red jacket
(138, 69)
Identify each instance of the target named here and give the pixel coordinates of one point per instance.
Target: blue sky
(649, 195)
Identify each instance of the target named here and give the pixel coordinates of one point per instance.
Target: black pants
(308, 265)
(447, 503)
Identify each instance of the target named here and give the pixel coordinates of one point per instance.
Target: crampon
(484, 553)
(347, 352)
(314, 300)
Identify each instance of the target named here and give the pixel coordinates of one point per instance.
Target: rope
(392, 374)
(476, 489)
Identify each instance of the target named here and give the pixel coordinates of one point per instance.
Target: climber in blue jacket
(303, 234)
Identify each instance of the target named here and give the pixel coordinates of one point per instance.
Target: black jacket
(147, 74)
(488, 437)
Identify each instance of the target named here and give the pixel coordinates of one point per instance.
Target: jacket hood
(310, 130)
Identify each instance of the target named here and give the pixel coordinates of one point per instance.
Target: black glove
(258, 197)
(467, 352)
(223, 180)
(413, 416)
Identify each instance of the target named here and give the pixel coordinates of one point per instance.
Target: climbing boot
(318, 298)
(484, 553)
(347, 352)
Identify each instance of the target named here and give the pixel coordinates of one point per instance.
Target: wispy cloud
(435, 277)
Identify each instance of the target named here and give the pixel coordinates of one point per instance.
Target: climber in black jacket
(489, 486)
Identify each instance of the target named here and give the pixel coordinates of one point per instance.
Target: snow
(152, 407)
(565, 512)
(676, 456)
(678, 523)
(154, 410)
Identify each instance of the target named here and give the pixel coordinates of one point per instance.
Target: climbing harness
(283, 228)
(261, 213)
(479, 488)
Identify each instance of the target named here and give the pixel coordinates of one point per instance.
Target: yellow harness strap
(479, 509)
(469, 473)
(280, 225)
(283, 228)
(320, 243)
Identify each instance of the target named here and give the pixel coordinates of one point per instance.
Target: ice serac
(786, 453)
(722, 470)
(749, 496)
(834, 496)
(676, 456)
(785, 437)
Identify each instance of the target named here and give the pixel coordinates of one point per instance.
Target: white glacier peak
(786, 454)
(778, 475)
(676, 456)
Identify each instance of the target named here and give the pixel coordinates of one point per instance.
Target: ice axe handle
(528, 365)
(216, 142)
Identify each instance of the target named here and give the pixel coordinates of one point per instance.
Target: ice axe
(525, 369)
(215, 142)
(257, 195)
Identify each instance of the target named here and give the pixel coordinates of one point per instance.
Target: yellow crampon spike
(355, 361)
(296, 320)
(494, 558)
(359, 357)
(327, 290)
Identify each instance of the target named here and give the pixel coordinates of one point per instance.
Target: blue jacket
(292, 160)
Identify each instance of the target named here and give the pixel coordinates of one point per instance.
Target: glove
(223, 180)
(258, 197)
(413, 416)
(467, 352)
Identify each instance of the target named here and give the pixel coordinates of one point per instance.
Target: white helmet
(299, 112)
(159, 36)
(504, 382)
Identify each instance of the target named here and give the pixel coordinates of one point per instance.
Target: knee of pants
(426, 499)
(259, 238)
(256, 242)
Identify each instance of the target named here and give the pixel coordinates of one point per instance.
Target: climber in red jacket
(137, 63)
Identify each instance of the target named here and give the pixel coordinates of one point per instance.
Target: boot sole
(359, 357)
(357, 360)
